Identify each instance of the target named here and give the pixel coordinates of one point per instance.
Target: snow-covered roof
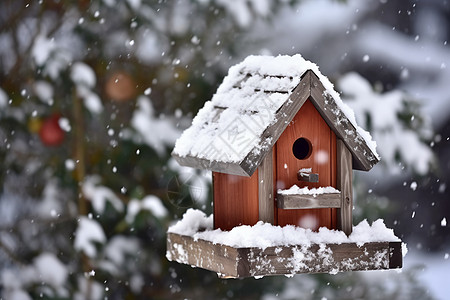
(258, 98)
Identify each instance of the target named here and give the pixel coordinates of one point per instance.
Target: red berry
(51, 133)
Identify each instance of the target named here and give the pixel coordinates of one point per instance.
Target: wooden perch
(307, 177)
(294, 201)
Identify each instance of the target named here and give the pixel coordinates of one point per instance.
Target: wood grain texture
(308, 201)
(235, 200)
(202, 254)
(344, 184)
(363, 157)
(235, 262)
(215, 166)
(308, 124)
(265, 189)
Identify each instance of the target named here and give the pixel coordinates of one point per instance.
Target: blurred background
(93, 95)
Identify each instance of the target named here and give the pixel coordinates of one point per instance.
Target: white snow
(88, 232)
(295, 190)
(51, 204)
(69, 164)
(87, 286)
(229, 126)
(193, 220)
(390, 134)
(44, 91)
(149, 45)
(432, 271)
(82, 74)
(243, 11)
(239, 10)
(17, 294)
(99, 195)
(155, 132)
(64, 124)
(150, 202)
(46, 270)
(42, 48)
(265, 235)
(3, 98)
(444, 222)
(134, 4)
(84, 78)
(50, 269)
(119, 247)
(90, 99)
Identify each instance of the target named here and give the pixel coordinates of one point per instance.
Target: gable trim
(362, 157)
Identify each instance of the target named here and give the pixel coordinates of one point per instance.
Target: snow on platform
(295, 190)
(264, 249)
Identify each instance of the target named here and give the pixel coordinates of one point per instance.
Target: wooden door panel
(308, 124)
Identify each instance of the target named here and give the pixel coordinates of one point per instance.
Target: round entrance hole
(302, 148)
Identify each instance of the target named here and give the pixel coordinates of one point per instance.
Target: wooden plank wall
(235, 200)
(307, 123)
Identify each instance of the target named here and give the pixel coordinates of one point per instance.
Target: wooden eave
(310, 87)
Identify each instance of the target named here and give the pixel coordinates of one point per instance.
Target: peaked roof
(257, 100)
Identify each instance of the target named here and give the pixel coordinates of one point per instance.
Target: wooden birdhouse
(282, 146)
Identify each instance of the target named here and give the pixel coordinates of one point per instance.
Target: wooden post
(344, 184)
(265, 189)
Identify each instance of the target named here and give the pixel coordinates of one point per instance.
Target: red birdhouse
(282, 146)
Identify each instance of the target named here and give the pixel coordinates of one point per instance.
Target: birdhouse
(282, 147)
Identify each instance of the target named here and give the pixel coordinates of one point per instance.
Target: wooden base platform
(231, 262)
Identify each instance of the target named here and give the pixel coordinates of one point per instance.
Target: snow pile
(3, 98)
(51, 204)
(87, 234)
(44, 91)
(230, 126)
(50, 269)
(84, 78)
(119, 254)
(46, 271)
(156, 132)
(119, 247)
(193, 221)
(42, 49)
(263, 235)
(99, 195)
(295, 190)
(151, 203)
(86, 286)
